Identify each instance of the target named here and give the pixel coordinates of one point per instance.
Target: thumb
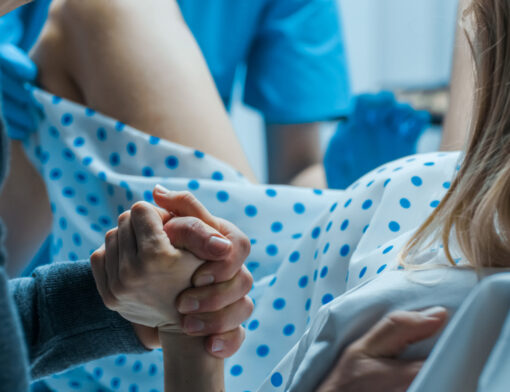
(182, 204)
(396, 331)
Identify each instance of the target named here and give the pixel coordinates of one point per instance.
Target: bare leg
(137, 61)
(132, 60)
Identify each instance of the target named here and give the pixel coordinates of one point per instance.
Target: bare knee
(83, 15)
(72, 29)
(91, 14)
(49, 54)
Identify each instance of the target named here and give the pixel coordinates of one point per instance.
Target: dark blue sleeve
(64, 320)
(13, 362)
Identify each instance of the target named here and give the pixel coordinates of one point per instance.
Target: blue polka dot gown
(309, 247)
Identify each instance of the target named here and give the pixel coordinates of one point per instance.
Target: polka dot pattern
(308, 247)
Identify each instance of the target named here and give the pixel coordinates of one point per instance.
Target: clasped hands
(151, 270)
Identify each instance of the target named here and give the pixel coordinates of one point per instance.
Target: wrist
(188, 366)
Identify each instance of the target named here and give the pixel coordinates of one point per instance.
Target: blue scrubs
(293, 50)
(296, 65)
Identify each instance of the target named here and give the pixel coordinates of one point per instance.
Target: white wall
(399, 43)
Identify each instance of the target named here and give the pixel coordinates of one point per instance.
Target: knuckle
(249, 306)
(185, 197)
(246, 280)
(196, 225)
(96, 257)
(396, 318)
(193, 227)
(242, 335)
(169, 255)
(149, 250)
(124, 216)
(139, 208)
(244, 246)
(110, 235)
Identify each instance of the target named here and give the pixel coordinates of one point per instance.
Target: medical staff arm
(297, 76)
(291, 148)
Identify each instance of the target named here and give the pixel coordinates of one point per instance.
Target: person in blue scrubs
(292, 52)
(296, 68)
(293, 55)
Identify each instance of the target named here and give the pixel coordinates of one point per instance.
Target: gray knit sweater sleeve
(13, 362)
(64, 320)
(55, 319)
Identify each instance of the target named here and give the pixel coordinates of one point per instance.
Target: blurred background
(404, 46)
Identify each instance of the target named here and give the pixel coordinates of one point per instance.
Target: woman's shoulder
(418, 165)
(410, 184)
(392, 202)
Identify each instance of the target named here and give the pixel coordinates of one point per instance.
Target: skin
(461, 91)
(365, 364)
(137, 252)
(218, 308)
(291, 148)
(371, 363)
(312, 177)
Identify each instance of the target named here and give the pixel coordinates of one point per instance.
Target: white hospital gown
(309, 247)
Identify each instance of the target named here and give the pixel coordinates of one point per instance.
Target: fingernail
(192, 325)
(188, 304)
(160, 189)
(434, 312)
(204, 280)
(218, 345)
(218, 245)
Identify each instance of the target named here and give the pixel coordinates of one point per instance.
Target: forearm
(25, 210)
(64, 320)
(188, 367)
(291, 149)
(312, 177)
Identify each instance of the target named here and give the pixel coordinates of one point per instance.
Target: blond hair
(477, 206)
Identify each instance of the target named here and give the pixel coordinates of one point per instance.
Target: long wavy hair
(477, 206)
